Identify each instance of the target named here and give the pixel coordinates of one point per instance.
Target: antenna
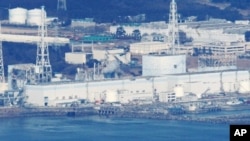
(43, 68)
(61, 5)
(2, 79)
(173, 30)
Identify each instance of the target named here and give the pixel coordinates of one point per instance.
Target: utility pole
(43, 68)
(173, 29)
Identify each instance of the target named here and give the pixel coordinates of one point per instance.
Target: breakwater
(41, 111)
(227, 115)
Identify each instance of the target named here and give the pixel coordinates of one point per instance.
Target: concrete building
(75, 57)
(158, 65)
(143, 88)
(88, 22)
(148, 47)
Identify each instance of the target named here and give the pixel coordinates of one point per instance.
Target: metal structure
(173, 30)
(217, 61)
(43, 68)
(61, 5)
(2, 79)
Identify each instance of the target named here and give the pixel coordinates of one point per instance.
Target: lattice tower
(43, 68)
(61, 5)
(173, 30)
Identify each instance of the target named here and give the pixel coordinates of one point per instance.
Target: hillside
(108, 11)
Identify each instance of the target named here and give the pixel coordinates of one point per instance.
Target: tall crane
(173, 30)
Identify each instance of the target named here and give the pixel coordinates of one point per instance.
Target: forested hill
(110, 10)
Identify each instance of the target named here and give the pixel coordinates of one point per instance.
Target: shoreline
(16, 112)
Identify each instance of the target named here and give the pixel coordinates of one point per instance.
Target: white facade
(111, 96)
(211, 35)
(58, 93)
(17, 15)
(148, 47)
(179, 91)
(244, 87)
(34, 17)
(140, 88)
(55, 94)
(75, 57)
(82, 23)
(157, 65)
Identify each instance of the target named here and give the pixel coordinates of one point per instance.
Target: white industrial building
(158, 65)
(83, 23)
(127, 90)
(75, 57)
(226, 48)
(148, 47)
(168, 79)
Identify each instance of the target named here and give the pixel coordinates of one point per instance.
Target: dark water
(102, 129)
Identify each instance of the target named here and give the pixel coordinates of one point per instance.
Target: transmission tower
(43, 68)
(173, 30)
(61, 5)
(2, 79)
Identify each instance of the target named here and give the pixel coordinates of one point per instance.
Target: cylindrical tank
(111, 96)
(17, 15)
(179, 91)
(34, 17)
(244, 87)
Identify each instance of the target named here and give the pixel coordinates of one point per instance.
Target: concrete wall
(139, 88)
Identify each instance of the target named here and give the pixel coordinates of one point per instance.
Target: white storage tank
(244, 87)
(111, 96)
(34, 17)
(17, 15)
(179, 91)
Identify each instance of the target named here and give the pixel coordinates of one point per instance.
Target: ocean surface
(105, 129)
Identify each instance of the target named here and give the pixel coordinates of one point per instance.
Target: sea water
(96, 128)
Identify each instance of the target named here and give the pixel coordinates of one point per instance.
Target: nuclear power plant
(159, 68)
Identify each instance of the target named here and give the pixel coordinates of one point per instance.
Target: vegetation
(107, 11)
(120, 10)
(18, 53)
(242, 4)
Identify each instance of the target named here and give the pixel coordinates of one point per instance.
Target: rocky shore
(40, 111)
(118, 112)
